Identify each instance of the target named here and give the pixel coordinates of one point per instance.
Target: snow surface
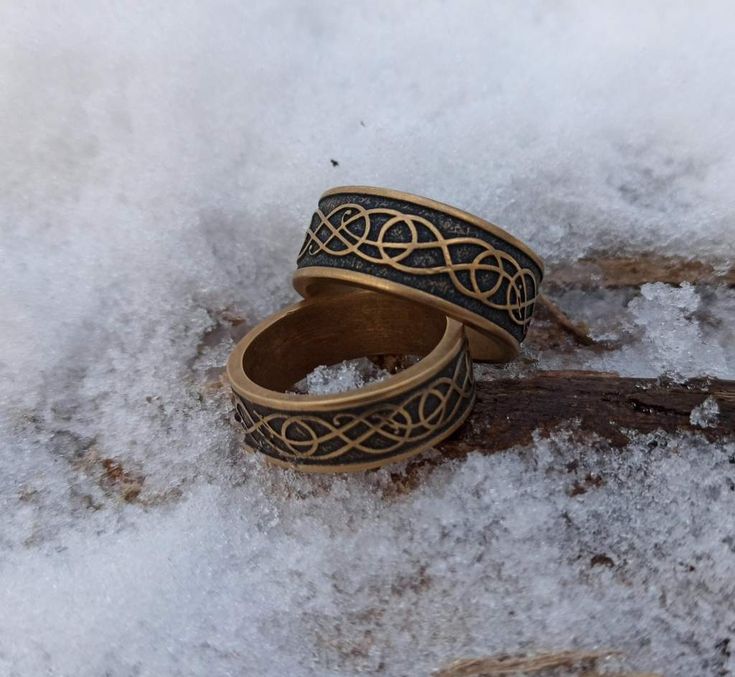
(158, 165)
(338, 378)
(707, 414)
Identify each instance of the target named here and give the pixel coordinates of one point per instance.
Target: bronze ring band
(385, 421)
(426, 251)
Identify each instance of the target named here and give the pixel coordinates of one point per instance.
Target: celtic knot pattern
(412, 244)
(373, 432)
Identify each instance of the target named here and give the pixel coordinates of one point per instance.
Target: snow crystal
(337, 378)
(159, 164)
(706, 414)
(663, 330)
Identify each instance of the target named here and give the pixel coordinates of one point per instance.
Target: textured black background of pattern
(438, 285)
(461, 364)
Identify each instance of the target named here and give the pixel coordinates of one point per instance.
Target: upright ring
(385, 421)
(426, 251)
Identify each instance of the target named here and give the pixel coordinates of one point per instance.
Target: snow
(665, 330)
(706, 414)
(158, 167)
(338, 378)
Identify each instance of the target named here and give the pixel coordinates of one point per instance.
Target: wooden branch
(574, 663)
(580, 334)
(613, 272)
(509, 411)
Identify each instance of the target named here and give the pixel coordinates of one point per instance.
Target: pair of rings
(383, 273)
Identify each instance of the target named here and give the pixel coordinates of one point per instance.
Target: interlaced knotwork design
(385, 428)
(412, 244)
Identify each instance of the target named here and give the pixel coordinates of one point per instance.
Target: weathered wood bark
(509, 411)
(614, 272)
(574, 663)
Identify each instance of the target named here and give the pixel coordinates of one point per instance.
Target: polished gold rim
(442, 207)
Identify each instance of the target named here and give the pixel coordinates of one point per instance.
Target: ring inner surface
(331, 329)
(484, 346)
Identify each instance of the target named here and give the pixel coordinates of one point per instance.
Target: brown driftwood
(509, 411)
(614, 272)
(573, 663)
(557, 324)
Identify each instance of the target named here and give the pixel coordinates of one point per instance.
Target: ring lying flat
(385, 421)
(426, 251)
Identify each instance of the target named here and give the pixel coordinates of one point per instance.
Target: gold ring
(385, 421)
(426, 251)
